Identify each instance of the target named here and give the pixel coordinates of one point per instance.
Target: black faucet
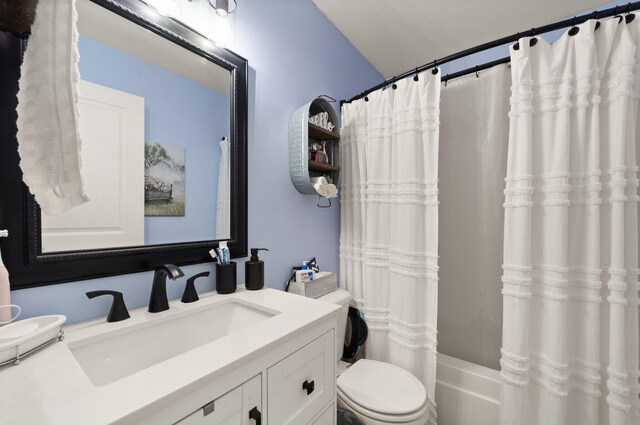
(118, 310)
(159, 301)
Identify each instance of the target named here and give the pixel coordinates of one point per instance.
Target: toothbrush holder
(226, 278)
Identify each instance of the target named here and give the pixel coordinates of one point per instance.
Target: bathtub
(466, 393)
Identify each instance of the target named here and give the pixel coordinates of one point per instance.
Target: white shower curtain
(570, 273)
(389, 222)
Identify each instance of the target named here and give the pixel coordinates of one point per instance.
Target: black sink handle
(118, 310)
(190, 295)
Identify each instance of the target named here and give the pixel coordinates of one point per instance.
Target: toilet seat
(416, 417)
(382, 391)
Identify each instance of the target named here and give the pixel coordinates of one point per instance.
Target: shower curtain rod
(576, 20)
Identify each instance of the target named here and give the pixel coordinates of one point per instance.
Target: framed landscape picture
(164, 167)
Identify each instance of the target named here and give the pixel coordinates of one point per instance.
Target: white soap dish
(24, 337)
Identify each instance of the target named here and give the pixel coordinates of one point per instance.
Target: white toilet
(377, 393)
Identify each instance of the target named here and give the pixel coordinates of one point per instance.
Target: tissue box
(322, 284)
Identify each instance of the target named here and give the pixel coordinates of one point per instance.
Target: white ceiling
(396, 36)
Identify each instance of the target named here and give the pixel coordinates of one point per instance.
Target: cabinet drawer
(301, 384)
(233, 408)
(328, 417)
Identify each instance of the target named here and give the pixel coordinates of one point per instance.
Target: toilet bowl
(378, 393)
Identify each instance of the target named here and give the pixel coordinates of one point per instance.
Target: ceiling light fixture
(222, 7)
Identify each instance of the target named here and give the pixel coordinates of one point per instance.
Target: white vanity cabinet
(248, 358)
(300, 389)
(240, 406)
(303, 383)
(328, 417)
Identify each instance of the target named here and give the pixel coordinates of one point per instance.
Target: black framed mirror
(33, 252)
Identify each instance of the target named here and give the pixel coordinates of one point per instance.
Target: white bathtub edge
(466, 393)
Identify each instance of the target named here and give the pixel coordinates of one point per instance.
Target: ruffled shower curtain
(570, 273)
(389, 222)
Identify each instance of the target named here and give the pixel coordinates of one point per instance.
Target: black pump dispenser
(254, 271)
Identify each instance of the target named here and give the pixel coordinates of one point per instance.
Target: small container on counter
(254, 271)
(226, 278)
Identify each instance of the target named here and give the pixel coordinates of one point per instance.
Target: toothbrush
(220, 254)
(214, 254)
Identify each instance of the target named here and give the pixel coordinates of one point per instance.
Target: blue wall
(180, 112)
(275, 37)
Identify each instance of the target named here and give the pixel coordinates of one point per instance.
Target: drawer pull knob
(309, 386)
(255, 415)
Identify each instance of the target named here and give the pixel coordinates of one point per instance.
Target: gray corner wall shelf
(302, 134)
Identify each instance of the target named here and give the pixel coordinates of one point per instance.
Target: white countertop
(50, 387)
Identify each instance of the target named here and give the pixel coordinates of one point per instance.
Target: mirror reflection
(155, 125)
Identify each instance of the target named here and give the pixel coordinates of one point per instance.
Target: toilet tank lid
(339, 296)
(382, 387)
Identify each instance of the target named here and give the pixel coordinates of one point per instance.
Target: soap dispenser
(254, 271)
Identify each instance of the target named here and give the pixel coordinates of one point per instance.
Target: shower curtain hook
(573, 22)
(615, 14)
(477, 74)
(415, 77)
(434, 71)
(628, 9)
(533, 40)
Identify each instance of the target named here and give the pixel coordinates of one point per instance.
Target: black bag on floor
(346, 417)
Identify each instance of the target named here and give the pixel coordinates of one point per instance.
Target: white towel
(324, 188)
(48, 134)
(223, 208)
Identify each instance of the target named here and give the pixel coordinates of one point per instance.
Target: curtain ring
(533, 40)
(415, 77)
(517, 45)
(446, 80)
(434, 71)
(477, 74)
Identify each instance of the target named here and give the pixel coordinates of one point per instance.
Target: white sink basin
(108, 357)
